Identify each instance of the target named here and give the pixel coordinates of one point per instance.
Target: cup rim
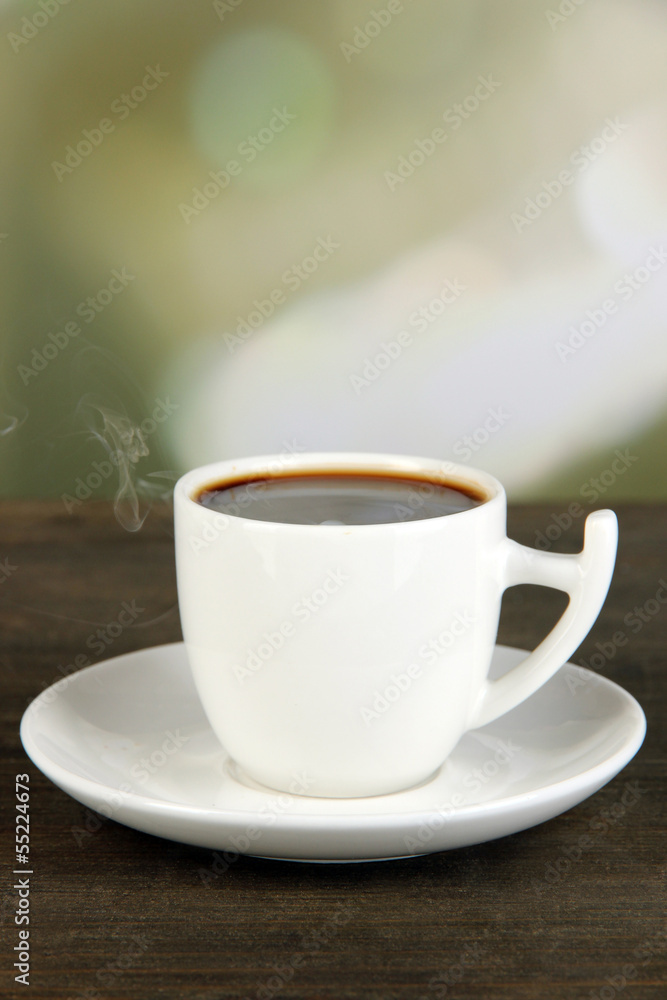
(275, 465)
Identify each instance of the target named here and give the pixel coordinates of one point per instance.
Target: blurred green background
(170, 168)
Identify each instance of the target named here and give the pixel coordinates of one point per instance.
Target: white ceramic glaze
(128, 738)
(288, 689)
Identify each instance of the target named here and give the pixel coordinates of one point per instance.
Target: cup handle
(585, 577)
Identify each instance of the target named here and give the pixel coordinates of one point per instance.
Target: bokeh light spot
(263, 98)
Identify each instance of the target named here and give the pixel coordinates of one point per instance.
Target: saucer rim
(588, 780)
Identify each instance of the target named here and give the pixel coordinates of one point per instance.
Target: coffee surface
(338, 498)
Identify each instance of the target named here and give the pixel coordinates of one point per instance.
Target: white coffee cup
(357, 655)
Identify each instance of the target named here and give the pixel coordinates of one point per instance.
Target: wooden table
(120, 914)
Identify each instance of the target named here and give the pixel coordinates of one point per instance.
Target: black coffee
(339, 498)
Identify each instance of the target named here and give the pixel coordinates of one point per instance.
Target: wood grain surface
(119, 914)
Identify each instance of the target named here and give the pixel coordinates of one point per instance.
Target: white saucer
(90, 733)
